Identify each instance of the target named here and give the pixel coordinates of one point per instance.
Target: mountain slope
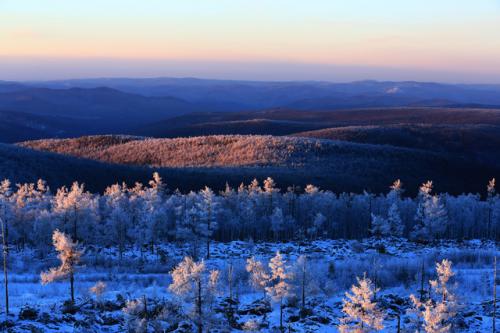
(107, 109)
(331, 164)
(25, 165)
(480, 142)
(289, 121)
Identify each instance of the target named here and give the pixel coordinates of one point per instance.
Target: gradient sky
(439, 40)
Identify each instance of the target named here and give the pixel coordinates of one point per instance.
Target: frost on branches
(189, 279)
(431, 218)
(362, 313)
(69, 255)
(279, 286)
(438, 311)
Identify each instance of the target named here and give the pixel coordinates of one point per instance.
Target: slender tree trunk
(5, 272)
(72, 286)
(208, 248)
(145, 300)
(75, 231)
(422, 274)
(230, 281)
(304, 286)
(281, 314)
(494, 294)
(399, 323)
(209, 225)
(200, 324)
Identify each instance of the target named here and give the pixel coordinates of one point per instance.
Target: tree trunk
(281, 314)
(5, 272)
(75, 231)
(422, 283)
(72, 287)
(198, 306)
(208, 248)
(304, 286)
(494, 293)
(230, 281)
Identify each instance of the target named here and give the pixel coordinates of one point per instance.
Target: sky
(336, 40)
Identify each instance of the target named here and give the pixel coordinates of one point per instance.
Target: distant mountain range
(359, 135)
(156, 107)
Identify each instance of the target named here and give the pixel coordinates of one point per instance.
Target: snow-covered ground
(395, 265)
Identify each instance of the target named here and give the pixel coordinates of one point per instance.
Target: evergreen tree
(279, 286)
(362, 313)
(438, 311)
(189, 278)
(431, 217)
(259, 278)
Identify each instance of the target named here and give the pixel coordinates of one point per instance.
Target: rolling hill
(478, 141)
(336, 165)
(25, 165)
(289, 121)
(103, 109)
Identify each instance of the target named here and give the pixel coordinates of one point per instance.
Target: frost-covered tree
(270, 191)
(69, 255)
(279, 286)
(187, 279)
(302, 276)
(431, 217)
(277, 223)
(5, 253)
(317, 225)
(5, 215)
(493, 207)
(207, 209)
(190, 278)
(396, 192)
(118, 220)
(259, 278)
(75, 209)
(394, 220)
(380, 226)
(438, 311)
(362, 314)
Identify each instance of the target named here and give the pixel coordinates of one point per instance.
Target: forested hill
(335, 165)
(477, 141)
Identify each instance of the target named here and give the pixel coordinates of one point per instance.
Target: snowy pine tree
(189, 279)
(438, 311)
(277, 223)
(380, 226)
(362, 314)
(431, 217)
(279, 286)
(259, 278)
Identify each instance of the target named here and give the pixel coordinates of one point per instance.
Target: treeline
(145, 216)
